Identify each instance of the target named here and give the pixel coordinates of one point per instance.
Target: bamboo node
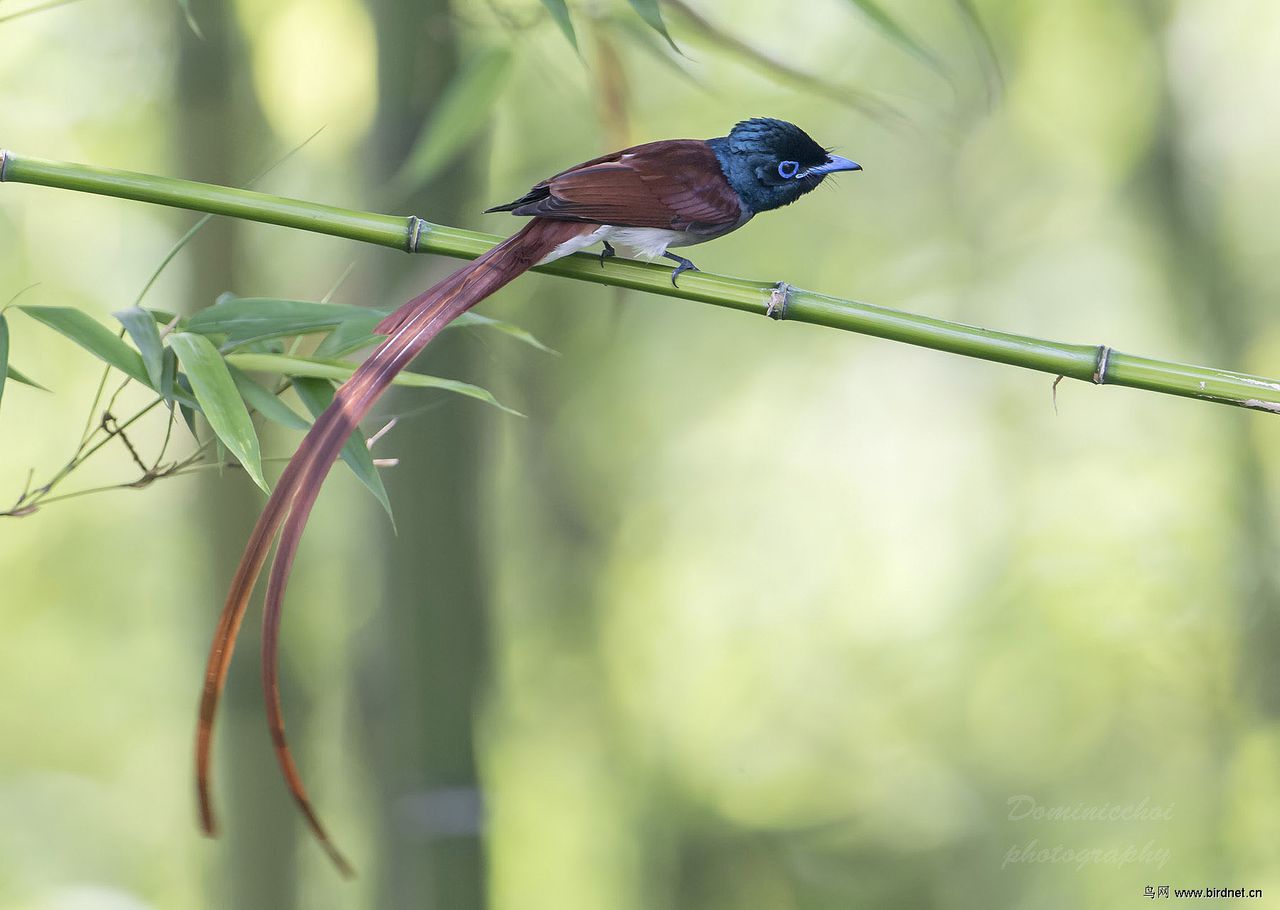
(417, 228)
(779, 297)
(4, 162)
(1100, 369)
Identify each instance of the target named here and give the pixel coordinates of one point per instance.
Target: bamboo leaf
(463, 111)
(347, 337)
(18, 376)
(473, 319)
(162, 317)
(559, 11)
(189, 418)
(648, 11)
(169, 377)
(221, 404)
(640, 36)
(93, 336)
(4, 353)
(247, 319)
(974, 21)
(861, 100)
(38, 8)
(316, 394)
(181, 384)
(895, 32)
(174, 387)
(191, 19)
(341, 370)
(265, 402)
(141, 327)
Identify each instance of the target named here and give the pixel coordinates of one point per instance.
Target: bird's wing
(675, 184)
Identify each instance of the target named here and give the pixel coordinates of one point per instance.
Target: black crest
(776, 137)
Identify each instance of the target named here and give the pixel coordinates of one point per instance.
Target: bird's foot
(684, 266)
(607, 253)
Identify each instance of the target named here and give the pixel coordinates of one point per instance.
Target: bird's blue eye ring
(788, 169)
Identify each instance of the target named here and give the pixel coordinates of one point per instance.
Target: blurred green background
(743, 614)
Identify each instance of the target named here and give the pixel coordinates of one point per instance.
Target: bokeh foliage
(775, 616)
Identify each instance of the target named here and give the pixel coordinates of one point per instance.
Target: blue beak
(835, 163)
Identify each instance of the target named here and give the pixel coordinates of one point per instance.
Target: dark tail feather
(535, 194)
(409, 329)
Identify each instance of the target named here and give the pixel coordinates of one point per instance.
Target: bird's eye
(788, 169)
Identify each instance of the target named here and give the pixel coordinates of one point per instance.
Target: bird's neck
(739, 171)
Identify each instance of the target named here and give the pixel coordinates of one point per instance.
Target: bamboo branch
(1089, 363)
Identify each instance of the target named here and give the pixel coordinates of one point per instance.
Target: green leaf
(174, 386)
(894, 31)
(18, 376)
(266, 402)
(221, 404)
(347, 337)
(179, 390)
(4, 353)
(341, 370)
(473, 319)
(974, 22)
(316, 394)
(189, 418)
(93, 336)
(355, 334)
(246, 319)
(191, 20)
(781, 68)
(640, 36)
(169, 377)
(560, 12)
(38, 8)
(162, 317)
(648, 11)
(141, 327)
(463, 111)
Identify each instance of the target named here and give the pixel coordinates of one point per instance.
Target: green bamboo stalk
(1085, 362)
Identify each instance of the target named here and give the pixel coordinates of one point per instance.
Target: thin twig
(109, 424)
(30, 500)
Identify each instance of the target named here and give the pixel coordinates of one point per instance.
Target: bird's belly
(640, 243)
(581, 242)
(650, 243)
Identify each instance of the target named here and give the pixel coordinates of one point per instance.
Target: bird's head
(771, 163)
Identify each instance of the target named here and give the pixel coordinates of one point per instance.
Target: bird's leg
(607, 253)
(684, 266)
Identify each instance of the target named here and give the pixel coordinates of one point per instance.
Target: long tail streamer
(408, 331)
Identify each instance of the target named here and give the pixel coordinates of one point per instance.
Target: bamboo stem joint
(417, 230)
(1100, 371)
(779, 297)
(1082, 362)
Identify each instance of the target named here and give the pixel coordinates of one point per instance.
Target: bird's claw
(684, 266)
(607, 253)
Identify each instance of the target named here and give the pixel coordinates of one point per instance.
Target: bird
(647, 199)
